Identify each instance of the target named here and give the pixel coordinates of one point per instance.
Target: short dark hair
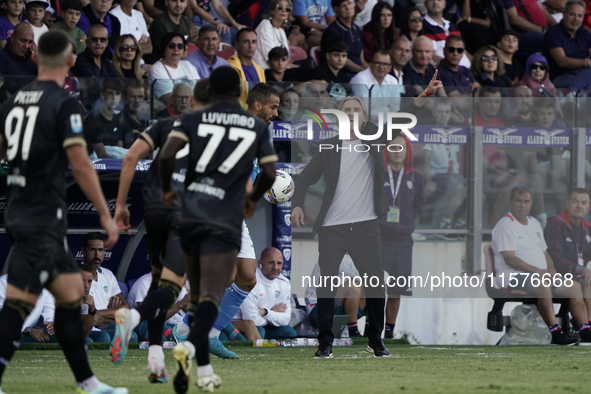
(115, 84)
(91, 237)
(262, 93)
(206, 29)
(201, 92)
(518, 190)
(278, 53)
(579, 190)
(224, 81)
(244, 30)
(571, 3)
(382, 52)
(85, 268)
(454, 38)
(132, 83)
(488, 89)
(53, 43)
(508, 32)
(168, 38)
(336, 45)
(75, 5)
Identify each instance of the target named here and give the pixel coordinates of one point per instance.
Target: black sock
(158, 301)
(155, 328)
(366, 329)
(69, 332)
(10, 333)
(353, 330)
(204, 317)
(555, 330)
(389, 333)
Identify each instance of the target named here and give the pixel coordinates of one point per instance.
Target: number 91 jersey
(37, 124)
(224, 139)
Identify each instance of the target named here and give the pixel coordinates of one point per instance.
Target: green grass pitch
(412, 369)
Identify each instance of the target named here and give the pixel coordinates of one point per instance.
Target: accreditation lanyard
(393, 215)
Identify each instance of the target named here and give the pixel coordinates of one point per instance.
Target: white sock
(214, 333)
(182, 328)
(155, 351)
(135, 318)
(89, 384)
(204, 370)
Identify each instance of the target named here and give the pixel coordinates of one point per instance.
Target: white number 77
(217, 135)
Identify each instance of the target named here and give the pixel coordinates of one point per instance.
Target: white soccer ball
(282, 189)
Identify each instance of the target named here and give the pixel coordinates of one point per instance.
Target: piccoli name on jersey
(228, 119)
(28, 97)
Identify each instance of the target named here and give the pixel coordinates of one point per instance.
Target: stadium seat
(496, 321)
(297, 53)
(131, 282)
(315, 54)
(225, 50)
(124, 288)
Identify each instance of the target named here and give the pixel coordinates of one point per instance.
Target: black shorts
(200, 239)
(37, 258)
(162, 236)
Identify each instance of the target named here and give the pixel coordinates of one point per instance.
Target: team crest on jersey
(409, 184)
(76, 123)
(106, 289)
(277, 293)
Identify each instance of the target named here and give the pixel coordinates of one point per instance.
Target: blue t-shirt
(577, 48)
(315, 10)
(455, 80)
(250, 73)
(6, 29)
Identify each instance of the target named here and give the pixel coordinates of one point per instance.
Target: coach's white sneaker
(103, 389)
(183, 354)
(209, 382)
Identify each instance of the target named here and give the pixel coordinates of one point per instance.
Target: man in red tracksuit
(405, 191)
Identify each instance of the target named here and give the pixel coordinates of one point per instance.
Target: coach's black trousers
(362, 241)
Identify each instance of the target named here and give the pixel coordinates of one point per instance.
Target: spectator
(171, 21)
(127, 58)
(332, 70)
(35, 12)
(93, 61)
(105, 290)
(250, 72)
(133, 100)
(537, 76)
(71, 10)
(205, 60)
(92, 333)
(487, 68)
(278, 71)
(380, 32)
(457, 80)
(179, 101)
(344, 29)
(15, 59)
(221, 19)
(97, 12)
(567, 46)
(509, 44)
(102, 127)
(569, 242)
(171, 68)
(174, 315)
(419, 71)
(269, 304)
(270, 33)
(263, 101)
(412, 25)
(544, 115)
(442, 171)
(384, 87)
(132, 22)
(313, 16)
(400, 54)
(531, 19)
(488, 105)
(38, 327)
(519, 247)
(288, 105)
(405, 192)
(153, 9)
(438, 29)
(13, 9)
(475, 24)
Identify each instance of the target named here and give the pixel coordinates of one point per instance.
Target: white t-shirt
(134, 24)
(353, 199)
(139, 291)
(268, 37)
(168, 77)
(441, 156)
(45, 306)
(38, 31)
(104, 288)
(526, 240)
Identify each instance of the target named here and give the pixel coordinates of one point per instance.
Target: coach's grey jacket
(328, 162)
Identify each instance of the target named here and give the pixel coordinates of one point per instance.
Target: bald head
(22, 40)
(271, 263)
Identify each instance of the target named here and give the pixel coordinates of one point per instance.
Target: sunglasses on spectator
(454, 49)
(539, 66)
(98, 39)
(416, 19)
(128, 47)
(172, 45)
(492, 58)
(280, 7)
(382, 64)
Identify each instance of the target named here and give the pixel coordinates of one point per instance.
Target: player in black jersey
(164, 247)
(224, 139)
(41, 131)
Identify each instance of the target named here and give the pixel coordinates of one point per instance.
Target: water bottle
(288, 343)
(342, 342)
(168, 345)
(454, 339)
(144, 345)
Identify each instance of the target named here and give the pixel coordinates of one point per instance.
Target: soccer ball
(282, 189)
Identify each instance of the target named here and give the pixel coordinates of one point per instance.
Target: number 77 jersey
(37, 124)
(224, 139)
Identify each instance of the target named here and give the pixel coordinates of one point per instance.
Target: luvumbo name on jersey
(228, 119)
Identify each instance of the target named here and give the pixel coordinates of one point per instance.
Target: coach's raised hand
(434, 85)
(297, 216)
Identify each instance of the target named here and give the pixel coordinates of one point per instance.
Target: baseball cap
(44, 2)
